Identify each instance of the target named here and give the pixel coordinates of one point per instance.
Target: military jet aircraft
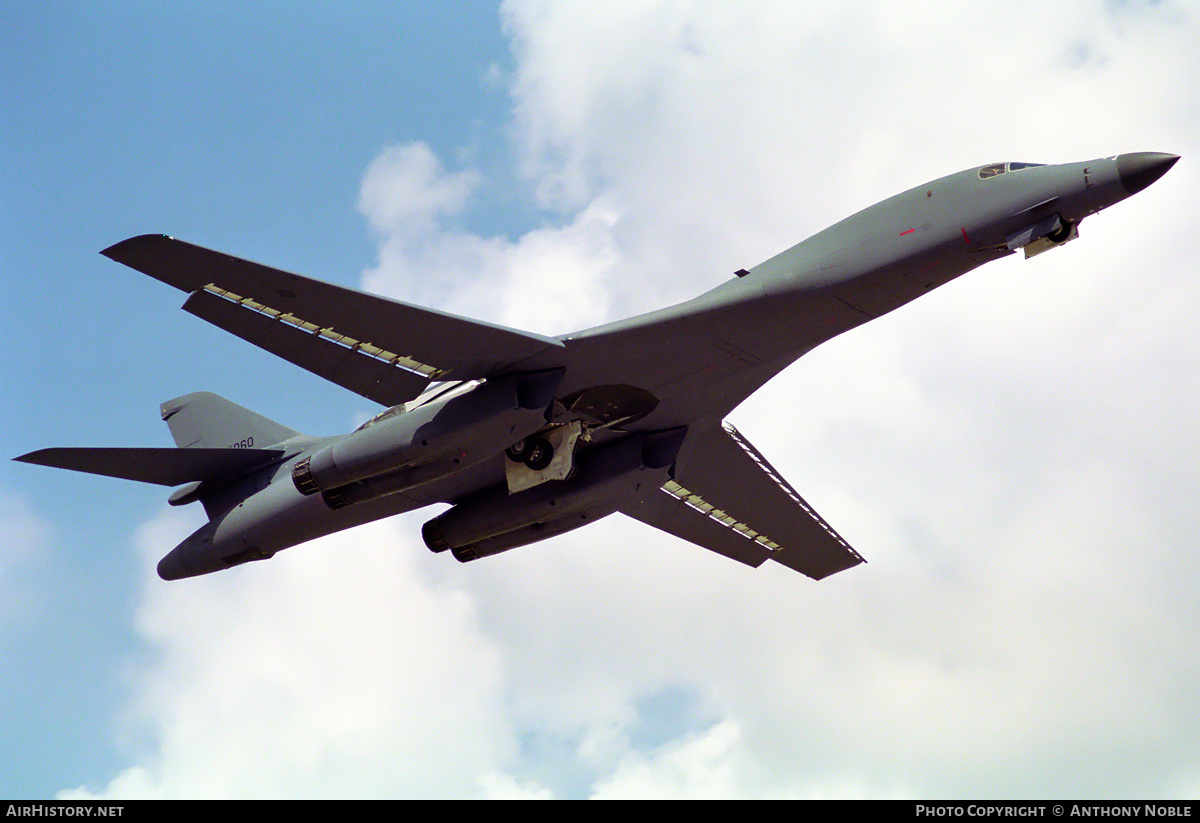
(527, 436)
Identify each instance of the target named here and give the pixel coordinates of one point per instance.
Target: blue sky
(1014, 454)
(198, 121)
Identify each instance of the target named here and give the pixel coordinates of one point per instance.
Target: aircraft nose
(1140, 169)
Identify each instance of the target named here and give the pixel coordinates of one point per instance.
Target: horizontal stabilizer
(164, 467)
(727, 498)
(418, 344)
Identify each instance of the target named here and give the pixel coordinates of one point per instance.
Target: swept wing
(382, 349)
(727, 498)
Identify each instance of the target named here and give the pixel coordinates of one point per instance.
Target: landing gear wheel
(1060, 236)
(539, 453)
(519, 452)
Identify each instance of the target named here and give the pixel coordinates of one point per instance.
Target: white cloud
(24, 536)
(697, 766)
(549, 280)
(503, 787)
(333, 671)
(405, 191)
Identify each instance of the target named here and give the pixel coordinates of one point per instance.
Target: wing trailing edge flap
(379, 348)
(727, 498)
(163, 467)
(349, 367)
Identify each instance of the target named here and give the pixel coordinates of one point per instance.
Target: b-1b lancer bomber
(526, 436)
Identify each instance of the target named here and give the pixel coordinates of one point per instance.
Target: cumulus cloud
(697, 766)
(550, 279)
(339, 673)
(24, 535)
(1015, 453)
(405, 191)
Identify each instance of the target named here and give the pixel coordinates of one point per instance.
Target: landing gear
(547, 455)
(540, 454)
(534, 452)
(518, 451)
(1062, 234)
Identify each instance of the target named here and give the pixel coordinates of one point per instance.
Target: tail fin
(204, 420)
(201, 421)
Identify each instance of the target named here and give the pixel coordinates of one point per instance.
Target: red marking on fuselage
(910, 231)
(965, 238)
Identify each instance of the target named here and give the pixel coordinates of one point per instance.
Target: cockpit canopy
(436, 391)
(1000, 168)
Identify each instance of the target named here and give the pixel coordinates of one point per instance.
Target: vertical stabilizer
(205, 420)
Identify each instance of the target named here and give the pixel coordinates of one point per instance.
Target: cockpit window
(999, 168)
(383, 415)
(435, 391)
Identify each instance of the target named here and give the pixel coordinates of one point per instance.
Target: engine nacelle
(608, 477)
(526, 534)
(441, 436)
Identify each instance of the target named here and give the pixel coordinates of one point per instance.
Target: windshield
(383, 415)
(1000, 168)
(435, 391)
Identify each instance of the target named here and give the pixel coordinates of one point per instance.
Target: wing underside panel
(428, 343)
(727, 498)
(690, 522)
(375, 375)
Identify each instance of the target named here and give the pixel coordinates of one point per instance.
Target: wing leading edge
(727, 498)
(382, 349)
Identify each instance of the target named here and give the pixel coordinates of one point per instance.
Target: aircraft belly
(714, 360)
(881, 292)
(612, 475)
(269, 521)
